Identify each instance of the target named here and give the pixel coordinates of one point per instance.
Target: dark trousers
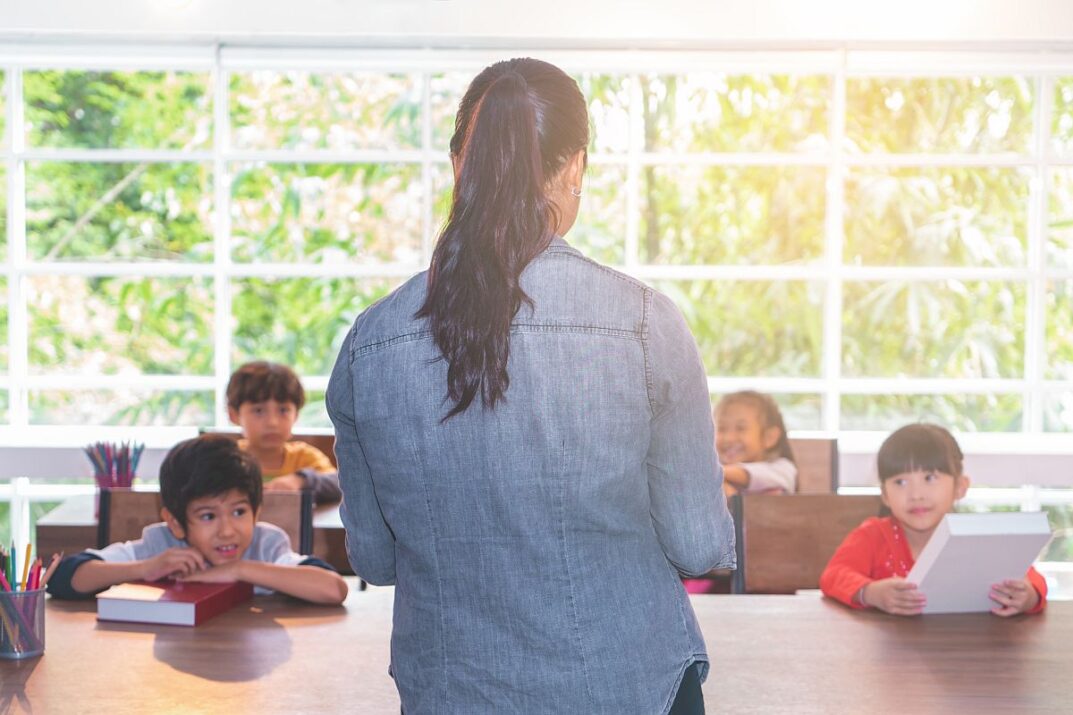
(689, 700)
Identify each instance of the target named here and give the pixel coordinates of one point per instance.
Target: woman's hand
(895, 596)
(175, 563)
(1013, 596)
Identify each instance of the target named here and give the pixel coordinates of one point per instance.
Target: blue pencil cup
(22, 624)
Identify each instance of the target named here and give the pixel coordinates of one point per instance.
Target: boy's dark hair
(204, 467)
(916, 447)
(770, 416)
(261, 380)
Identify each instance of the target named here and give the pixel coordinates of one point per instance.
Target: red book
(179, 603)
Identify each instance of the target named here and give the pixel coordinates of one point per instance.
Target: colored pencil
(53, 565)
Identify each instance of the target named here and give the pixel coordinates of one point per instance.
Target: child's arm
(736, 476)
(309, 583)
(94, 574)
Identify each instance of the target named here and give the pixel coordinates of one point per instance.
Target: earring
(575, 192)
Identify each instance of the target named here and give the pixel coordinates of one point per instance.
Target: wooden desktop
(770, 654)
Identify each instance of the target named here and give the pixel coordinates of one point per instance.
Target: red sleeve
(1035, 578)
(850, 567)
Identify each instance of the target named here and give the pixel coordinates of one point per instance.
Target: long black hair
(518, 124)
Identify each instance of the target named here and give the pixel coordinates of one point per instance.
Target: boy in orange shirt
(264, 398)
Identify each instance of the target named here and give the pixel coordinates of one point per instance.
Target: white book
(970, 552)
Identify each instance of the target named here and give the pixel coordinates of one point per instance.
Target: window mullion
(221, 259)
(833, 247)
(18, 317)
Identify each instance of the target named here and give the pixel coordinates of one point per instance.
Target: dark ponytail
(517, 125)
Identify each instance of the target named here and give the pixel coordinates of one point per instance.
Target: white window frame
(840, 64)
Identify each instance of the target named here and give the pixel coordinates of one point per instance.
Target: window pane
(1062, 121)
(3, 111)
(337, 111)
(314, 414)
(937, 217)
(147, 110)
(1058, 411)
(966, 413)
(446, 92)
(747, 328)
(719, 215)
(1060, 517)
(121, 407)
(609, 111)
(3, 208)
(716, 112)
(442, 187)
(320, 213)
(600, 230)
(155, 326)
(4, 366)
(1059, 350)
(799, 412)
(1059, 246)
(122, 212)
(936, 115)
(5, 402)
(299, 322)
(950, 328)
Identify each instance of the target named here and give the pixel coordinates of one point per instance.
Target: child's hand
(729, 489)
(224, 573)
(894, 595)
(1013, 596)
(176, 562)
(286, 483)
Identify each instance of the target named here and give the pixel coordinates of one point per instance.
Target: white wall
(499, 23)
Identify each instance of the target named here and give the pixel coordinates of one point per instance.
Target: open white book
(969, 552)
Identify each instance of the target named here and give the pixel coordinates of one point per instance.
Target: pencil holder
(22, 623)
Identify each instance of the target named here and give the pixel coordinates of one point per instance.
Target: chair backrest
(124, 513)
(817, 464)
(784, 541)
(324, 441)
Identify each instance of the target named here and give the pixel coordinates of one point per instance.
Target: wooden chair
(124, 513)
(817, 464)
(784, 541)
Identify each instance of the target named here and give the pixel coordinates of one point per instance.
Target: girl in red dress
(921, 478)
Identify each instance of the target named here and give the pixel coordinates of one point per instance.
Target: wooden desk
(770, 654)
(72, 527)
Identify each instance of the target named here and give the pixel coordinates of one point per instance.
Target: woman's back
(531, 544)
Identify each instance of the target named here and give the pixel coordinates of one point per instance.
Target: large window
(872, 238)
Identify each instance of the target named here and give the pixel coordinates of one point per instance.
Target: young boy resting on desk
(212, 493)
(263, 398)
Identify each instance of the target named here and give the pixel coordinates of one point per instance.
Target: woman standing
(525, 442)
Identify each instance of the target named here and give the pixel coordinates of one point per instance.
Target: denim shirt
(535, 548)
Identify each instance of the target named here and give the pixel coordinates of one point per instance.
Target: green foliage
(937, 217)
(947, 328)
(963, 413)
(337, 111)
(300, 322)
(328, 213)
(156, 326)
(127, 212)
(734, 330)
(729, 215)
(148, 110)
(687, 214)
(714, 112)
(939, 115)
